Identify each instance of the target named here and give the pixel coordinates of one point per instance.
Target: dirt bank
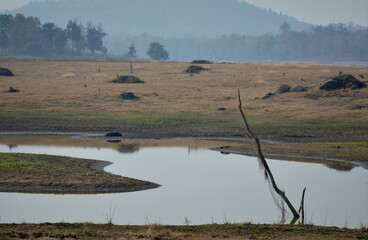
(213, 231)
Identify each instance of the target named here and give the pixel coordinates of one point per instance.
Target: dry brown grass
(61, 86)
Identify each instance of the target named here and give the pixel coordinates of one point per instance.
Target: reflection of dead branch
(301, 209)
(264, 164)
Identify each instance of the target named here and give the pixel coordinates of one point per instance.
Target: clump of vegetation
(195, 69)
(342, 81)
(5, 72)
(128, 96)
(127, 79)
(201, 62)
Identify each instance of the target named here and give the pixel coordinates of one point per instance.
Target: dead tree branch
(268, 172)
(301, 209)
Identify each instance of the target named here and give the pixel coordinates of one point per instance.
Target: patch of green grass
(337, 144)
(352, 151)
(29, 163)
(224, 123)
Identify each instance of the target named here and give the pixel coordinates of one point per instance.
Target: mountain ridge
(164, 18)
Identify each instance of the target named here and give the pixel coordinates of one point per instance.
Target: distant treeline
(22, 35)
(335, 42)
(332, 42)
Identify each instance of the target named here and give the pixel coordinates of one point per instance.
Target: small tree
(5, 24)
(54, 39)
(285, 28)
(94, 38)
(75, 34)
(132, 52)
(157, 52)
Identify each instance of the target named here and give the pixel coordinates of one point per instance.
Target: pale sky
(319, 12)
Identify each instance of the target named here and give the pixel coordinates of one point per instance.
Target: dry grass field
(72, 95)
(60, 86)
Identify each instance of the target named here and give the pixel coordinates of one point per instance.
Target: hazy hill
(165, 18)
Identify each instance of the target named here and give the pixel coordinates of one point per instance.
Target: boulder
(5, 72)
(342, 81)
(283, 89)
(128, 96)
(268, 95)
(127, 79)
(298, 88)
(195, 69)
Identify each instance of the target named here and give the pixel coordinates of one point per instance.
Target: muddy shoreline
(282, 155)
(77, 176)
(99, 166)
(163, 133)
(147, 131)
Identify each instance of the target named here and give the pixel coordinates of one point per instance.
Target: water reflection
(200, 185)
(340, 166)
(12, 146)
(128, 148)
(113, 141)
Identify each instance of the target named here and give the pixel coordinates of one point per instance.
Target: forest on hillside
(27, 36)
(22, 35)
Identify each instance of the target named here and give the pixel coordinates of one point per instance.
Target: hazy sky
(320, 11)
(311, 11)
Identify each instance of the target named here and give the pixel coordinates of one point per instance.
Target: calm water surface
(198, 184)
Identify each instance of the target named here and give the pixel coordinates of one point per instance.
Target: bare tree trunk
(131, 68)
(250, 133)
